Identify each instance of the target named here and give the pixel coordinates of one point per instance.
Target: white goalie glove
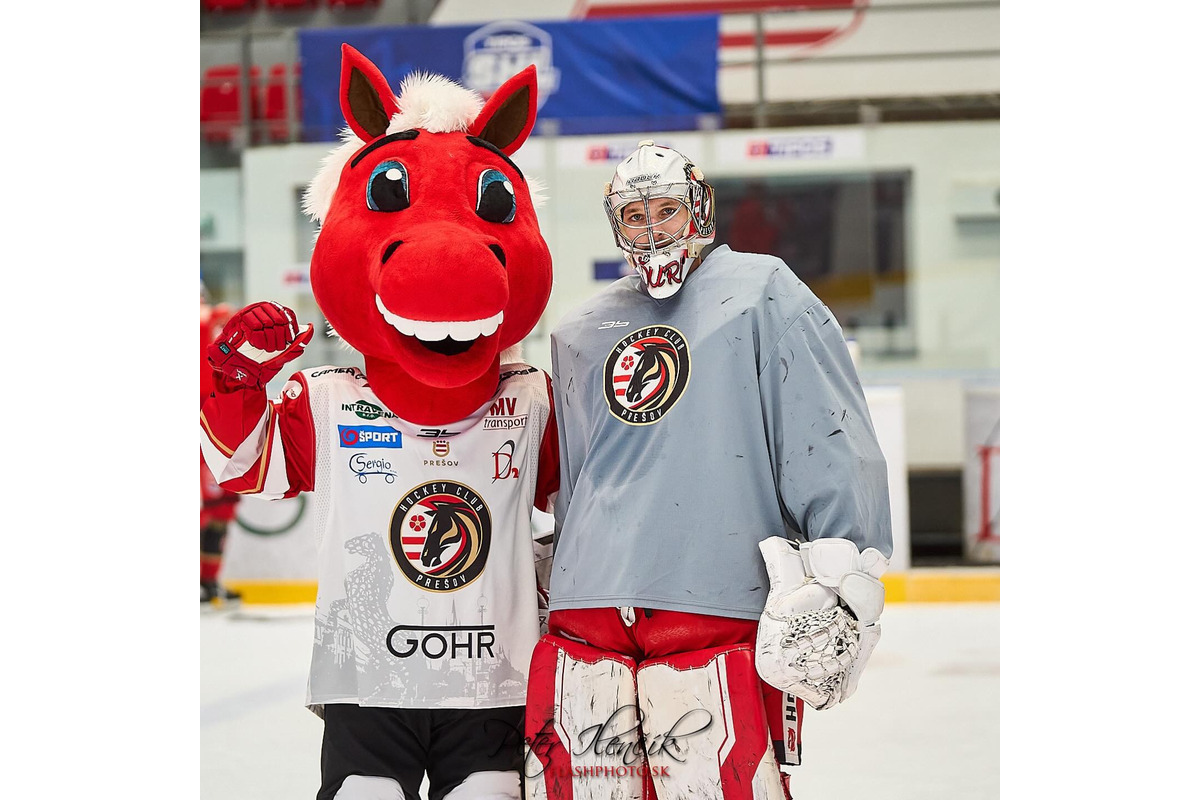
(821, 619)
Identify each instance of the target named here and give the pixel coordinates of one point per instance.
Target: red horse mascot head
(429, 259)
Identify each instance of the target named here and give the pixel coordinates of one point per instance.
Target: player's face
(666, 221)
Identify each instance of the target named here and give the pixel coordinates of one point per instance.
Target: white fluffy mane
(433, 103)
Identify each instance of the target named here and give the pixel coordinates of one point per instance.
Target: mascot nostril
(495, 248)
(391, 248)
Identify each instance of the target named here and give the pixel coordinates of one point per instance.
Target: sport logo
(441, 448)
(440, 534)
(369, 436)
(646, 373)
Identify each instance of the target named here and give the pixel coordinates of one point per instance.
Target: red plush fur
(446, 268)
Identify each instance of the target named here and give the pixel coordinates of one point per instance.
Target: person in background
(217, 506)
(722, 519)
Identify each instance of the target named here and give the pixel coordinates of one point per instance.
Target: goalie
(722, 520)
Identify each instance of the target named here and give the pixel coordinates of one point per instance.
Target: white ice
(924, 724)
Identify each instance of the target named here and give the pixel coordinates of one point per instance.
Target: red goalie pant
(667, 707)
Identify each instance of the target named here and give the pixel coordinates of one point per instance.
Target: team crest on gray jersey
(646, 373)
(441, 533)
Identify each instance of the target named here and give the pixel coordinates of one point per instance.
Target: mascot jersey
(694, 427)
(426, 589)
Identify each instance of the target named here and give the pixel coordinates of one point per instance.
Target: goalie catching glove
(821, 619)
(257, 342)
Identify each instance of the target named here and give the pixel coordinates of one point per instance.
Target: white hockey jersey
(426, 590)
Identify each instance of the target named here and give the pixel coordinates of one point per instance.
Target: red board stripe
(778, 37)
(635, 9)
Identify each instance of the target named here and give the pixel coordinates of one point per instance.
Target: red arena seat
(221, 101)
(226, 6)
(275, 110)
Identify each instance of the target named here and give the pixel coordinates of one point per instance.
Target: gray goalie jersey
(692, 428)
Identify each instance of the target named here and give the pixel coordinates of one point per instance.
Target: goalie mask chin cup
(662, 272)
(661, 251)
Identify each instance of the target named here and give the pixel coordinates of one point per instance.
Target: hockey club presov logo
(646, 373)
(440, 534)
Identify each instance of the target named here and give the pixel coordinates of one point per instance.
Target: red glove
(257, 342)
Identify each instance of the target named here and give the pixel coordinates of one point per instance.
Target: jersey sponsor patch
(503, 415)
(646, 373)
(506, 375)
(503, 460)
(441, 533)
(339, 371)
(369, 436)
(366, 410)
(364, 467)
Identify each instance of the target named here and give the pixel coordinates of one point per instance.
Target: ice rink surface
(924, 724)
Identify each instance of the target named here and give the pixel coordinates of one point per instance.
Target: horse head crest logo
(453, 536)
(441, 534)
(646, 373)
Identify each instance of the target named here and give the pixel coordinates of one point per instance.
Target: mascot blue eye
(497, 201)
(387, 189)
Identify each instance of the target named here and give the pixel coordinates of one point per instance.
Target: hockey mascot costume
(425, 466)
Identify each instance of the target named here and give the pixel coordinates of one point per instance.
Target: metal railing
(239, 126)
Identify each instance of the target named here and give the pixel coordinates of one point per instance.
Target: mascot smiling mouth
(446, 338)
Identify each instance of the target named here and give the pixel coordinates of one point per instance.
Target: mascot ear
(367, 102)
(508, 117)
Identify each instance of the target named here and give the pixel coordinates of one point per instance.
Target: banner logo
(497, 51)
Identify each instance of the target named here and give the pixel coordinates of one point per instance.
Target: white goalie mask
(661, 213)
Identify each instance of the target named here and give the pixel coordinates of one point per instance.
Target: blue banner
(601, 76)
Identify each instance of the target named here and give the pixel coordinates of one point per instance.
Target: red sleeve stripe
(225, 449)
(248, 482)
(265, 459)
(548, 466)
